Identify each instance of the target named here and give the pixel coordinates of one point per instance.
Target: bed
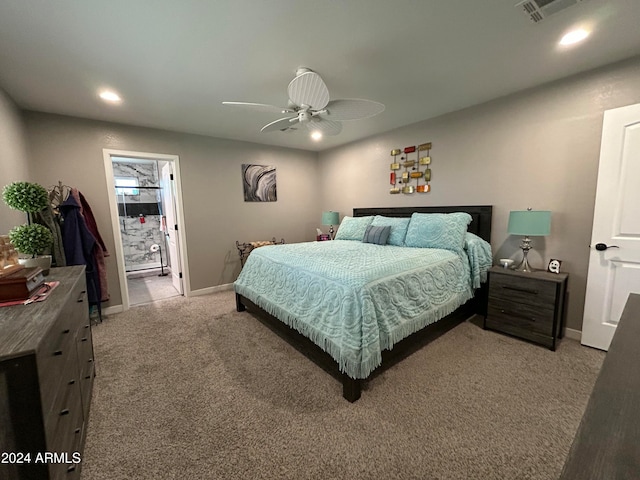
(389, 283)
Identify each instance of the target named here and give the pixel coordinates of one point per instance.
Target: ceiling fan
(309, 105)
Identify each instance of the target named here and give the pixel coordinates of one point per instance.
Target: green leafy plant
(31, 239)
(25, 196)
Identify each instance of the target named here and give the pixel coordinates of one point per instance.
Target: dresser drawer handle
(512, 314)
(64, 412)
(72, 468)
(81, 296)
(519, 289)
(57, 353)
(66, 330)
(71, 382)
(83, 339)
(77, 430)
(87, 377)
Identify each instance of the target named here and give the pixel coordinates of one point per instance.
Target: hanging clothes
(79, 244)
(47, 218)
(100, 250)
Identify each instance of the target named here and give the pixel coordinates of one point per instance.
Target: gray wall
(539, 149)
(70, 149)
(13, 159)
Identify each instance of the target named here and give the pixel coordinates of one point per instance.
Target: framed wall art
(259, 183)
(411, 169)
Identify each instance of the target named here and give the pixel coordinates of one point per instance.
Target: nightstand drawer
(523, 316)
(522, 290)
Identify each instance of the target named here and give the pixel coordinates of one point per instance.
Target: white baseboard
(573, 334)
(112, 310)
(208, 290)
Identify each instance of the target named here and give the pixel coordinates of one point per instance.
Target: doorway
(145, 205)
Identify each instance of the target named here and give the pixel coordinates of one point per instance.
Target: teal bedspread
(356, 299)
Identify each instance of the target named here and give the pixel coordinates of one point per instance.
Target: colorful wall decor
(411, 173)
(259, 183)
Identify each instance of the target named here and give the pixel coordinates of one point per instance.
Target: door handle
(601, 247)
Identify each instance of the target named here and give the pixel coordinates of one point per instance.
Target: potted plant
(31, 238)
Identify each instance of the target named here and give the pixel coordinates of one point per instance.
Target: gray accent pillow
(377, 235)
(398, 228)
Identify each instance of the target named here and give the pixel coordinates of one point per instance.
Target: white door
(168, 209)
(614, 271)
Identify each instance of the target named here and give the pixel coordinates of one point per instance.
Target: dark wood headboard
(480, 214)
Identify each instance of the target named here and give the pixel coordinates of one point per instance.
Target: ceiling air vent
(538, 10)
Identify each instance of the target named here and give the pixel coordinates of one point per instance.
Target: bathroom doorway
(145, 208)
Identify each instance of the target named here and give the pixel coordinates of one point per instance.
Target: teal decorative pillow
(398, 228)
(353, 228)
(377, 235)
(437, 230)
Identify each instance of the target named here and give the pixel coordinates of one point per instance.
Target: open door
(171, 230)
(614, 260)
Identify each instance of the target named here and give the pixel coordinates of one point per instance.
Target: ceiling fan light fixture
(308, 97)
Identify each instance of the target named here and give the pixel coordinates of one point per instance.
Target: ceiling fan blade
(326, 127)
(309, 89)
(282, 124)
(352, 109)
(259, 107)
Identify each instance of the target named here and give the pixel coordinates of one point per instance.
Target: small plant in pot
(32, 238)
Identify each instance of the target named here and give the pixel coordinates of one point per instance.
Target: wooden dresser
(607, 444)
(46, 376)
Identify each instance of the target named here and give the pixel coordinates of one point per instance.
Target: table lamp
(530, 223)
(330, 218)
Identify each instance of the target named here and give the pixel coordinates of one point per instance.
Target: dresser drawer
(84, 343)
(86, 386)
(530, 291)
(522, 316)
(66, 406)
(57, 363)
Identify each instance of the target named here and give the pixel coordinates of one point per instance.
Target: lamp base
(524, 266)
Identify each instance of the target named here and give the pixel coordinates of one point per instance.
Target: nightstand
(529, 305)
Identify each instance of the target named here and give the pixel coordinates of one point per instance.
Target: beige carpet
(189, 389)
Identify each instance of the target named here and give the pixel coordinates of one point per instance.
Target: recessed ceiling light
(110, 96)
(316, 135)
(573, 37)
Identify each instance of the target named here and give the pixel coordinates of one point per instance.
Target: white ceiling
(175, 61)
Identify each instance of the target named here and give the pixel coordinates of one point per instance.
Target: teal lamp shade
(530, 223)
(330, 218)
